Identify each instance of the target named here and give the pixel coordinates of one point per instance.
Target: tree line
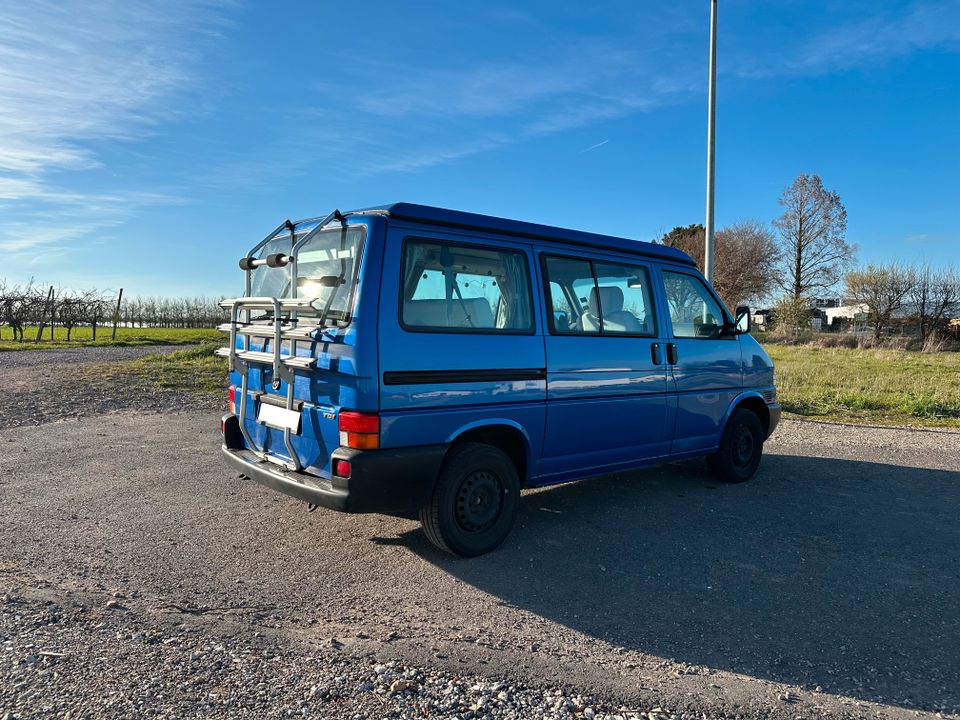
(41, 307)
(804, 254)
(801, 256)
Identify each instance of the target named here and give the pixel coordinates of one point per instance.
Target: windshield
(327, 267)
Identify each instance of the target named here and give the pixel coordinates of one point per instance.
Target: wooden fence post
(47, 305)
(116, 315)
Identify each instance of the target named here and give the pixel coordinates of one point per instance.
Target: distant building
(823, 303)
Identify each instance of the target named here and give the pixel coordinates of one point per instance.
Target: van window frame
(727, 319)
(548, 296)
(532, 330)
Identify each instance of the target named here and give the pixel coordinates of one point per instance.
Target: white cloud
(73, 74)
(56, 223)
(408, 119)
(922, 26)
(865, 38)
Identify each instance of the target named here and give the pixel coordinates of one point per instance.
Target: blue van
(408, 360)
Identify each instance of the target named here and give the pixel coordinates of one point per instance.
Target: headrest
(611, 300)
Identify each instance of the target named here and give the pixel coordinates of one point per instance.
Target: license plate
(278, 417)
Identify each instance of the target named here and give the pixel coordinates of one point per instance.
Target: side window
(464, 288)
(693, 311)
(611, 298)
(567, 278)
(563, 313)
(625, 299)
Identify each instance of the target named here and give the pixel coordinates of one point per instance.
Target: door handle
(655, 353)
(672, 353)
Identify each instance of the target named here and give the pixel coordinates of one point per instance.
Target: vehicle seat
(615, 318)
(433, 313)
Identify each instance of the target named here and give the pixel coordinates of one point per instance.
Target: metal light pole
(711, 142)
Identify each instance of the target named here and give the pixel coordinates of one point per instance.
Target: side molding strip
(436, 377)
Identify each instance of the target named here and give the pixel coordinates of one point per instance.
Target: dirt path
(41, 386)
(827, 586)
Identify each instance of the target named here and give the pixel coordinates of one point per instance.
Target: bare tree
(71, 311)
(18, 305)
(96, 309)
(935, 296)
(22, 306)
(812, 233)
(748, 253)
(883, 290)
(746, 256)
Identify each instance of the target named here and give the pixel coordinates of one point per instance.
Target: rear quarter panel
(424, 413)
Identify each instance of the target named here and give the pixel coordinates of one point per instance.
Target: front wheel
(741, 448)
(475, 501)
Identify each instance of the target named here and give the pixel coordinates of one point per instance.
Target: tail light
(342, 468)
(359, 430)
(232, 396)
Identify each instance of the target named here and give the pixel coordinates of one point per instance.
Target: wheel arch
(506, 435)
(754, 402)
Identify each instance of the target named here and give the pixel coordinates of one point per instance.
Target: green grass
(83, 337)
(840, 384)
(869, 386)
(194, 370)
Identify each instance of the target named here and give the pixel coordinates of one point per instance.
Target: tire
(474, 502)
(740, 450)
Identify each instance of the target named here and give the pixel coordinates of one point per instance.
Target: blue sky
(148, 145)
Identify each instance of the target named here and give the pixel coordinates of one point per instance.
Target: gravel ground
(68, 659)
(41, 386)
(140, 577)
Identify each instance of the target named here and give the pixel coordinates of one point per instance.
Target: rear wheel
(740, 450)
(475, 501)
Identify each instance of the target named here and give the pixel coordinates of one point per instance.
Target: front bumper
(397, 480)
(774, 410)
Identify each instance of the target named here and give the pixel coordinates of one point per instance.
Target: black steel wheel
(474, 502)
(741, 448)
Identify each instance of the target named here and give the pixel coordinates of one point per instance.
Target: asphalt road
(827, 586)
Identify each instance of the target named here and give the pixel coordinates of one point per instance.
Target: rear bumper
(381, 481)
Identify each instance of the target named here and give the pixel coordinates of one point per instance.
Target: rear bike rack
(278, 331)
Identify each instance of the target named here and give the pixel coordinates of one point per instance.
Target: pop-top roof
(490, 223)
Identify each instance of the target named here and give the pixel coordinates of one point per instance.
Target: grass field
(83, 337)
(849, 385)
(194, 369)
(869, 386)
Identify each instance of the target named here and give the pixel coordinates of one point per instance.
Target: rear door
(706, 368)
(344, 372)
(606, 373)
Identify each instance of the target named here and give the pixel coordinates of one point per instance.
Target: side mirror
(744, 320)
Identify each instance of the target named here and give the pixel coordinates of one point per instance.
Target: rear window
(453, 287)
(327, 268)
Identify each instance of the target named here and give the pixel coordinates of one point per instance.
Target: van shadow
(819, 572)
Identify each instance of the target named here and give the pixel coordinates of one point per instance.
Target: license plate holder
(279, 418)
